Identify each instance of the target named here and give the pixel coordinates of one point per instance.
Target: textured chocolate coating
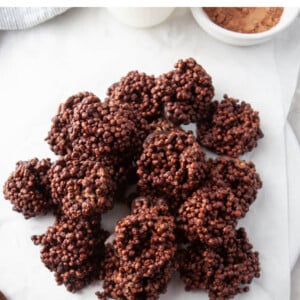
(135, 89)
(209, 215)
(186, 92)
(146, 236)
(162, 124)
(73, 250)
(65, 126)
(124, 282)
(112, 133)
(172, 164)
(140, 262)
(233, 129)
(239, 175)
(101, 129)
(28, 188)
(140, 203)
(224, 271)
(81, 186)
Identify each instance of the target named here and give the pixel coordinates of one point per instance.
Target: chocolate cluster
(103, 130)
(135, 89)
(140, 262)
(73, 250)
(184, 207)
(172, 164)
(224, 271)
(239, 175)
(64, 129)
(209, 215)
(28, 188)
(81, 186)
(232, 128)
(186, 92)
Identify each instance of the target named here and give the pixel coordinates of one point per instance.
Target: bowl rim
(199, 13)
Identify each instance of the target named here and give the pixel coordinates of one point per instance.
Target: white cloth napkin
(12, 18)
(89, 50)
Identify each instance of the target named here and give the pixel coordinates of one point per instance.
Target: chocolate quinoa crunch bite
(160, 124)
(103, 130)
(28, 188)
(172, 164)
(65, 125)
(146, 236)
(124, 282)
(73, 250)
(233, 128)
(185, 92)
(209, 215)
(224, 271)
(135, 89)
(112, 133)
(134, 139)
(81, 186)
(140, 262)
(240, 176)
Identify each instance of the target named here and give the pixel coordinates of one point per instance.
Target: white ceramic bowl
(243, 39)
(141, 16)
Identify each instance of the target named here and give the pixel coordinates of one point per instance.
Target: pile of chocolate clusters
(184, 215)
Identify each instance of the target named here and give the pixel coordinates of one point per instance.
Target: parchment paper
(87, 49)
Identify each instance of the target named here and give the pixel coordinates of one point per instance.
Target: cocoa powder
(245, 19)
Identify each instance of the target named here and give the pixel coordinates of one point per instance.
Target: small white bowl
(141, 16)
(243, 39)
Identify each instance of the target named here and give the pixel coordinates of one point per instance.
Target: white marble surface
(86, 49)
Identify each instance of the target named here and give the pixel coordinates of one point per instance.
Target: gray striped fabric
(12, 18)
